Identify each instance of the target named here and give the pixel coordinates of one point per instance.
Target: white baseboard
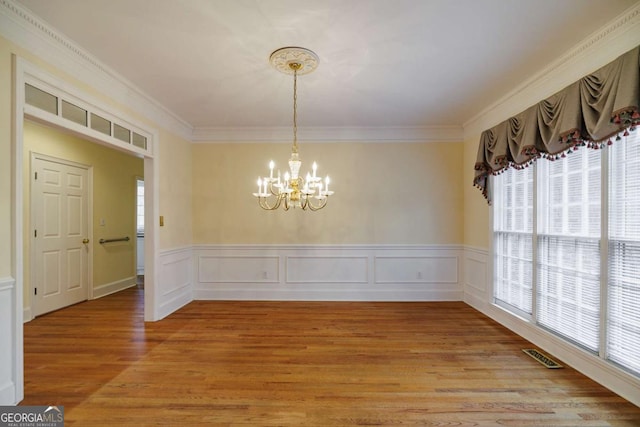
(26, 315)
(10, 342)
(113, 287)
(7, 393)
(396, 293)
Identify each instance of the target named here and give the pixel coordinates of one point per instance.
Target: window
(574, 247)
(140, 207)
(513, 227)
(568, 261)
(623, 324)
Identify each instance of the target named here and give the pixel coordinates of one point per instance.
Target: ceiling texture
(383, 63)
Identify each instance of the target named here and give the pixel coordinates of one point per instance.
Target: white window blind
(623, 320)
(513, 249)
(140, 206)
(568, 262)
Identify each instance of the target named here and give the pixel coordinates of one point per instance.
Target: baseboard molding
(328, 272)
(113, 287)
(599, 370)
(399, 293)
(10, 341)
(26, 315)
(7, 393)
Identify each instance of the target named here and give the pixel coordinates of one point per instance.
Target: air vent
(542, 358)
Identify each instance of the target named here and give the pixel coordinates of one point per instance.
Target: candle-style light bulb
(314, 167)
(259, 185)
(326, 182)
(271, 166)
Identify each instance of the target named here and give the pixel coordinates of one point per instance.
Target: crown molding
(330, 134)
(601, 47)
(19, 25)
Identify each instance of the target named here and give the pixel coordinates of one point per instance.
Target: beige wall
(5, 160)
(175, 191)
(386, 193)
(476, 208)
(114, 194)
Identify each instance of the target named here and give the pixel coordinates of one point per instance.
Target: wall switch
(102, 222)
(161, 221)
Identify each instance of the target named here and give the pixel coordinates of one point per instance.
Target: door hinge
(35, 233)
(36, 176)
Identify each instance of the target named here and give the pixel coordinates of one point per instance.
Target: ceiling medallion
(283, 58)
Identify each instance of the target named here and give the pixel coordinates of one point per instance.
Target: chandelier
(291, 190)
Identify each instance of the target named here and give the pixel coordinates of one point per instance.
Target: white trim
(26, 315)
(322, 247)
(11, 320)
(113, 287)
(328, 272)
(62, 90)
(601, 47)
(175, 280)
(17, 223)
(331, 134)
(25, 29)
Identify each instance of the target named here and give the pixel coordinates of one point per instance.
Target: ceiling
(383, 63)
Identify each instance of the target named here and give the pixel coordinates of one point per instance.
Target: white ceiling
(383, 63)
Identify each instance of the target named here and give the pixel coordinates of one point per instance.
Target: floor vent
(542, 358)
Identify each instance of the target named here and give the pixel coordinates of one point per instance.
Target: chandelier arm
(262, 201)
(322, 204)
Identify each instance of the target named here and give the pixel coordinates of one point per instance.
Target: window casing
(575, 269)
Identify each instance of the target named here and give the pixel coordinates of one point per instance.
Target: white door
(60, 213)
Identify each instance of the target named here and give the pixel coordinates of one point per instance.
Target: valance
(589, 112)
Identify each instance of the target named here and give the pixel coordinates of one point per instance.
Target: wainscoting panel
(238, 269)
(175, 280)
(477, 291)
(8, 342)
(424, 269)
(327, 269)
(328, 273)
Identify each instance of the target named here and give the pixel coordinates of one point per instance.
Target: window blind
(513, 242)
(623, 322)
(568, 261)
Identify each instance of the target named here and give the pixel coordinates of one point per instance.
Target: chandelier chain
(295, 110)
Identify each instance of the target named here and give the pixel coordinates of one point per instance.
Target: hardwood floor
(300, 364)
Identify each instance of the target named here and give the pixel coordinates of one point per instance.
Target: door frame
(23, 72)
(32, 217)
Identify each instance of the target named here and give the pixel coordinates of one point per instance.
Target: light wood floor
(300, 364)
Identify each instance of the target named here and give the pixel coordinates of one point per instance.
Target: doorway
(140, 231)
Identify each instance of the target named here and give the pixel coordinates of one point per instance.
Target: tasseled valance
(590, 112)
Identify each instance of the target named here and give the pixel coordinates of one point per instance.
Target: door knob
(85, 241)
